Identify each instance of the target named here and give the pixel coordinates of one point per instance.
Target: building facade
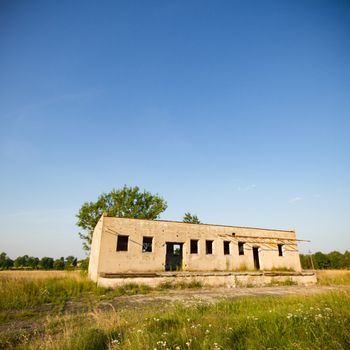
(122, 245)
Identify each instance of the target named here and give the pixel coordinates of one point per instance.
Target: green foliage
(332, 260)
(84, 264)
(295, 322)
(91, 339)
(59, 264)
(21, 261)
(16, 294)
(127, 202)
(70, 263)
(319, 322)
(33, 263)
(191, 218)
(46, 263)
(5, 262)
(27, 293)
(335, 260)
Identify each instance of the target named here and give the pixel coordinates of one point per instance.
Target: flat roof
(190, 223)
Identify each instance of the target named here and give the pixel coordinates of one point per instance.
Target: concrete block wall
(105, 259)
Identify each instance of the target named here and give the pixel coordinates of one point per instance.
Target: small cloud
(246, 188)
(316, 195)
(294, 200)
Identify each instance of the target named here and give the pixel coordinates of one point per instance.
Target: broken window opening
(280, 249)
(176, 249)
(122, 243)
(241, 248)
(147, 244)
(226, 247)
(209, 247)
(194, 246)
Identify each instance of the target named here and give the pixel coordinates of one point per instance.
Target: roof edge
(190, 223)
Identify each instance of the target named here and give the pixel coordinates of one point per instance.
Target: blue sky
(237, 111)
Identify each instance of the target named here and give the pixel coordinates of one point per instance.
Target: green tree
(193, 219)
(321, 261)
(335, 260)
(70, 262)
(46, 263)
(21, 261)
(127, 202)
(346, 260)
(59, 264)
(33, 262)
(5, 261)
(305, 261)
(84, 264)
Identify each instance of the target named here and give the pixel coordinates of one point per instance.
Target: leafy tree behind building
(191, 218)
(127, 202)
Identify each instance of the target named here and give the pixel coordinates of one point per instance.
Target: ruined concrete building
(122, 246)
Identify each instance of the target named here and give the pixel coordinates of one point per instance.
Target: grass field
(333, 277)
(35, 314)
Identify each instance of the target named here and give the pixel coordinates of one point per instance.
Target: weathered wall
(95, 250)
(134, 260)
(229, 280)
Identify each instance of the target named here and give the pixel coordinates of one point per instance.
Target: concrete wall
(229, 280)
(95, 250)
(105, 259)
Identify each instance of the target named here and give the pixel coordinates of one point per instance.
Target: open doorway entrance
(256, 258)
(173, 259)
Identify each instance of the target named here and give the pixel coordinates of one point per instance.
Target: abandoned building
(122, 246)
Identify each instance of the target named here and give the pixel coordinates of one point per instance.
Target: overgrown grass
(333, 277)
(18, 292)
(317, 322)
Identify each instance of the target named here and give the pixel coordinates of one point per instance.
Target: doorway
(256, 258)
(173, 258)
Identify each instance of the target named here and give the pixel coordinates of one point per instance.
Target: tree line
(34, 263)
(319, 261)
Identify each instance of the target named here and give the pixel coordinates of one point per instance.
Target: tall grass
(333, 277)
(25, 293)
(313, 322)
(20, 291)
(317, 322)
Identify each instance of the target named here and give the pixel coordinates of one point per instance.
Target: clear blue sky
(238, 111)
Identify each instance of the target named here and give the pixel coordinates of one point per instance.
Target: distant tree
(46, 263)
(59, 264)
(335, 260)
(305, 261)
(193, 219)
(321, 261)
(5, 262)
(33, 262)
(127, 202)
(84, 264)
(346, 260)
(70, 262)
(21, 261)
